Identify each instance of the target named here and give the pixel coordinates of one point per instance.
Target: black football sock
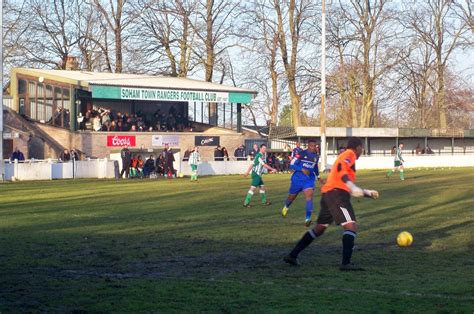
(347, 246)
(306, 240)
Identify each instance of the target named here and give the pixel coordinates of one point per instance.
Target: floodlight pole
(323, 87)
(2, 163)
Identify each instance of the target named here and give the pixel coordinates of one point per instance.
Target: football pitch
(175, 246)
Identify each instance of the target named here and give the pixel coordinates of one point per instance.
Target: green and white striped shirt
(194, 158)
(398, 155)
(258, 163)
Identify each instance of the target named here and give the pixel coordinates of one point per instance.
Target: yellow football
(404, 238)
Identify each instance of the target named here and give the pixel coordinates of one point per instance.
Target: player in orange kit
(336, 205)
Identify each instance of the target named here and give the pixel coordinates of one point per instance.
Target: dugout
(54, 100)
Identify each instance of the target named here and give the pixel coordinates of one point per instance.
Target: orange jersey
(344, 165)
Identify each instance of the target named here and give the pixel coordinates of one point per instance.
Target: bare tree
(118, 16)
(437, 25)
(54, 38)
(166, 25)
(92, 38)
(261, 49)
(367, 35)
(15, 34)
(295, 18)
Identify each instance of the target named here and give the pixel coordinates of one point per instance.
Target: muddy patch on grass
(210, 264)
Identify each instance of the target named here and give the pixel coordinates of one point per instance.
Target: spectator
(140, 123)
(286, 162)
(149, 166)
(392, 151)
(171, 122)
(65, 156)
(126, 161)
(225, 153)
(278, 163)
(18, 155)
(218, 154)
(159, 165)
(134, 166)
(187, 152)
(254, 151)
(88, 119)
(297, 150)
(74, 154)
(139, 166)
(239, 153)
(168, 159)
(107, 126)
(56, 118)
(428, 150)
(126, 125)
(342, 149)
(96, 123)
(81, 122)
(180, 122)
(271, 160)
(105, 116)
(418, 149)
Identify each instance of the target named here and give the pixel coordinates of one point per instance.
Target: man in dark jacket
(126, 161)
(239, 153)
(218, 154)
(149, 166)
(168, 159)
(18, 155)
(254, 151)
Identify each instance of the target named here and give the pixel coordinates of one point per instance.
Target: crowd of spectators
(67, 155)
(278, 160)
(134, 166)
(106, 120)
(221, 153)
(420, 151)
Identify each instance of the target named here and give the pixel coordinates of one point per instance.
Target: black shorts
(336, 206)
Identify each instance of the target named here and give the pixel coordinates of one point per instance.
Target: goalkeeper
(336, 205)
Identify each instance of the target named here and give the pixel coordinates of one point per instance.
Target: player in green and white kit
(257, 170)
(398, 162)
(194, 160)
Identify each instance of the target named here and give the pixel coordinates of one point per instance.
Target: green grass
(173, 246)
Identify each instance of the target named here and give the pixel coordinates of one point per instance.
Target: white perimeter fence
(49, 169)
(104, 168)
